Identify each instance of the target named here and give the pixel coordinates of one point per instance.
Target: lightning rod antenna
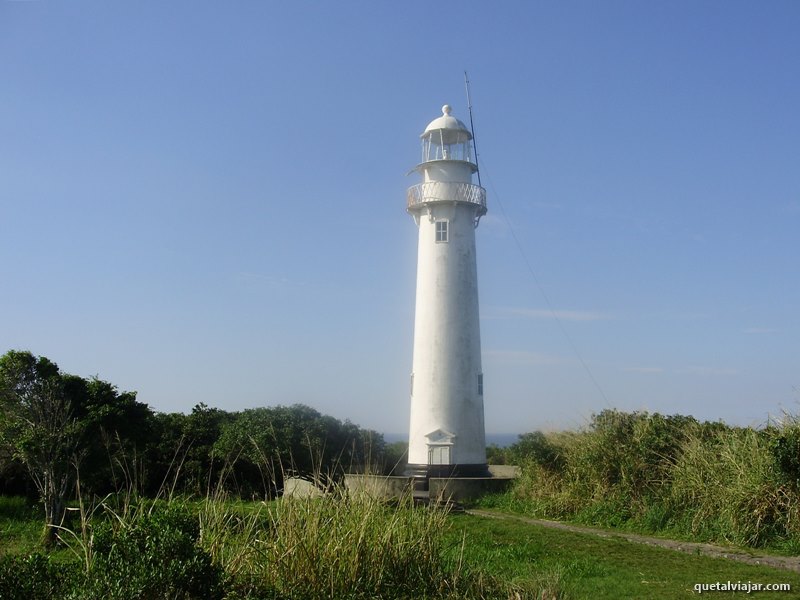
(472, 128)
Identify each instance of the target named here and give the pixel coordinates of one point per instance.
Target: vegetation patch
(116, 501)
(296, 548)
(668, 475)
(580, 565)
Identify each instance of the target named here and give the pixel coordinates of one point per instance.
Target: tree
(265, 443)
(117, 430)
(38, 425)
(58, 425)
(166, 453)
(201, 430)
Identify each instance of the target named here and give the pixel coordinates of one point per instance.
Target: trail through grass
(589, 566)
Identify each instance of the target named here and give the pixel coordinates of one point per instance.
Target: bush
(633, 453)
(667, 473)
(784, 444)
(727, 487)
(150, 556)
(538, 448)
(36, 577)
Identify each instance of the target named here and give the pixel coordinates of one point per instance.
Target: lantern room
(447, 138)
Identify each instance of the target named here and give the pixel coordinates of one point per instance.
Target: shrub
(784, 444)
(655, 472)
(726, 486)
(633, 453)
(150, 556)
(36, 577)
(538, 448)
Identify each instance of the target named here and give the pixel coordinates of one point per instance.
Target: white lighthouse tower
(447, 436)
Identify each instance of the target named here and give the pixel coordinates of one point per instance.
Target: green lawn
(595, 567)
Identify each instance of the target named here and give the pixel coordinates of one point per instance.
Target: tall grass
(729, 487)
(336, 546)
(671, 474)
(343, 546)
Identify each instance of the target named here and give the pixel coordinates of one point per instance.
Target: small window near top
(441, 231)
(480, 384)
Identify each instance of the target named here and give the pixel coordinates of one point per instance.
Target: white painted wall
(447, 347)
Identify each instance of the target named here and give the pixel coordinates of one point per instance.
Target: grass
(330, 547)
(340, 547)
(359, 548)
(586, 566)
(20, 525)
(349, 547)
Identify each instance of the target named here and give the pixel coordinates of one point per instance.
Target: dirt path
(791, 563)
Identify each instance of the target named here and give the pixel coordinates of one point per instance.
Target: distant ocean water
(502, 440)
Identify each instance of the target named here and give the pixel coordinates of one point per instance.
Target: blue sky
(205, 201)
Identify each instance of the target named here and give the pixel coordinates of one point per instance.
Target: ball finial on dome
(446, 109)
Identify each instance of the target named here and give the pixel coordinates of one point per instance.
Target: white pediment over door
(440, 437)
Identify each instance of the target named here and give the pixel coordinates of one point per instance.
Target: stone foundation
(455, 489)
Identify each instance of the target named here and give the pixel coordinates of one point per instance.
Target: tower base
(447, 471)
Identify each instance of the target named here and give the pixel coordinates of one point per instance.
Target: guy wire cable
(549, 304)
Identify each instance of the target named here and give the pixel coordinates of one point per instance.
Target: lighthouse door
(438, 455)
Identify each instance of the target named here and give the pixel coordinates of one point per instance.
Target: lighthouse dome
(447, 138)
(452, 131)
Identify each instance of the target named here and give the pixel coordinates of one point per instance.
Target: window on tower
(480, 384)
(441, 231)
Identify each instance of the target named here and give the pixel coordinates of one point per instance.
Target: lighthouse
(446, 436)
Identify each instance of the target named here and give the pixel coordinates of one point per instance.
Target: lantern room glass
(446, 144)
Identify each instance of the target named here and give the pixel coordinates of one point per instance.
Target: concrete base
(459, 489)
(481, 470)
(442, 489)
(379, 486)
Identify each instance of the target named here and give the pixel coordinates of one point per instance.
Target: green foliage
(38, 426)
(265, 442)
(333, 547)
(165, 455)
(538, 448)
(344, 547)
(20, 525)
(60, 426)
(495, 455)
(727, 487)
(36, 577)
(784, 445)
(117, 432)
(666, 473)
(340, 547)
(201, 429)
(150, 556)
(395, 458)
(59, 430)
(629, 453)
